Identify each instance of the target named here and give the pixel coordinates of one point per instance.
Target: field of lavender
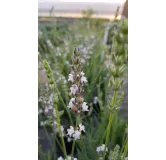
(82, 74)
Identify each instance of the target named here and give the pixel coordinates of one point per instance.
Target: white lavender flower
(71, 78)
(70, 158)
(98, 149)
(60, 158)
(81, 127)
(70, 131)
(84, 107)
(83, 79)
(71, 103)
(74, 89)
(76, 134)
(82, 73)
(95, 100)
(101, 148)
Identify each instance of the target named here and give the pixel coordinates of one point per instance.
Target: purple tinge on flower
(76, 134)
(74, 89)
(83, 79)
(101, 148)
(71, 103)
(71, 78)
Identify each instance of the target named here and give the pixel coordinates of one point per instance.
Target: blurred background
(104, 9)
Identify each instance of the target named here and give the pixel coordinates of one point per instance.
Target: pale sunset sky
(105, 1)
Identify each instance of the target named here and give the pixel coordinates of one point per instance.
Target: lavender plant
(78, 120)
(117, 69)
(52, 86)
(77, 104)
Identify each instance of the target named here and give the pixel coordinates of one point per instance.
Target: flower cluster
(68, 157)
(47, 110)
(119, 54)
(101, 148)
(77, 78)
(75, 134)
(73, 104)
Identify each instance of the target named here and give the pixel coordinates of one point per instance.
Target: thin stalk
(125, 151)
(61, 134)
(72, 151)
(109, 124)
(64, 105)
(60, 146)
(73, 145)
(124, 144)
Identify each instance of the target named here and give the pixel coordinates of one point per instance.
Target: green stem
(109, 124)
(72, 151)
(73, 145)
(124, 144)
(56, 139)
(61, 134)
(125, 151)
(64, 105)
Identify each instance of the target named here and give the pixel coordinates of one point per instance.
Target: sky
(108, 1)
(101, 7)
